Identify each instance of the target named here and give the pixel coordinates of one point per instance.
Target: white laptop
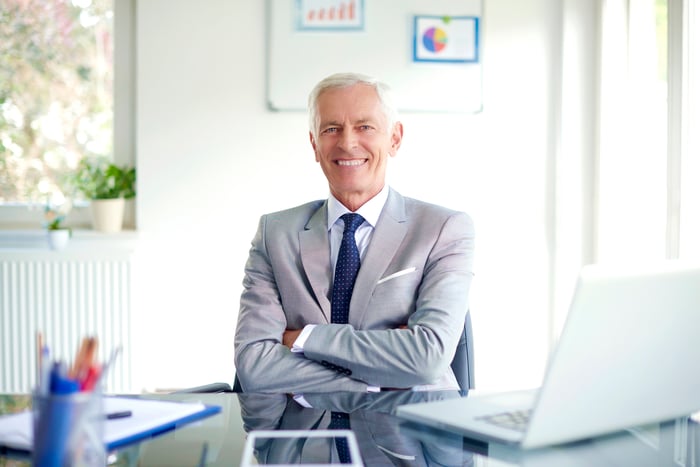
(629, 354)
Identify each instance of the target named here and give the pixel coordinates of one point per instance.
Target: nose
(348, 141)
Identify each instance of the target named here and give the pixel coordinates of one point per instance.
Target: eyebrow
(362, 121)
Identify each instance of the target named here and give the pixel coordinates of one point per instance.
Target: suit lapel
(388, 235)
(315, 257)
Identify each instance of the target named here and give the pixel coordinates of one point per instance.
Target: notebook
(628, 355)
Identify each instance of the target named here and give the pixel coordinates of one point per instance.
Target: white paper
(147, 415)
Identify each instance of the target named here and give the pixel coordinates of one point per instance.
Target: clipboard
(149, 418)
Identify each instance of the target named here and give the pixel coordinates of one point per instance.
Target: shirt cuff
(298, 346)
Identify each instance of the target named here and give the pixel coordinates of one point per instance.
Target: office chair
(462, 366)
(463, 361)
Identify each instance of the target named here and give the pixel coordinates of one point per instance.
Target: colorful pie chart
(434, 39)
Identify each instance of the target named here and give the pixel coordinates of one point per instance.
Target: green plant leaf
(98, 178)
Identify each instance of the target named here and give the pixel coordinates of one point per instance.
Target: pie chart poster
(446, 39)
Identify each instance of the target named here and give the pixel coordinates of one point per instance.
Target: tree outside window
(56, 98)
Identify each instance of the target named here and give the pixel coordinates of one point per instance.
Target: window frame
(683, 200)
(30, 216)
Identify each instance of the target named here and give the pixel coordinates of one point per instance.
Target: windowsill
(24, 241)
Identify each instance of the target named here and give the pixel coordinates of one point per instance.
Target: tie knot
(352, 221)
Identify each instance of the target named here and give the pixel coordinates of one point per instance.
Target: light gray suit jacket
(380, 435)
(416, 271)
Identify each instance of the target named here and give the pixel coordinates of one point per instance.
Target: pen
(92, 375)
(108, 366)
(84, 358)
(39, 361)
(45, 376)
(117, 415)
(60, 384)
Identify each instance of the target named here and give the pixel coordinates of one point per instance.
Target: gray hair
(342, 80)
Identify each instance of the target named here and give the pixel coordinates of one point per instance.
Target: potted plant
(57, 234)
(106, 185)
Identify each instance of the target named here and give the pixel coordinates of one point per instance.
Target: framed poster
(446, 39)
(330, 15)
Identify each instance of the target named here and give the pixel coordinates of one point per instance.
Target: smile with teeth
(351, 162)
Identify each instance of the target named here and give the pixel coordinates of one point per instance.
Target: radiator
(66, 299)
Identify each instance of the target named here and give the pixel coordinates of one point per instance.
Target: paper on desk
(149, 417)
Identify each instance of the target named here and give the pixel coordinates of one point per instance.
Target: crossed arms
(406, 333)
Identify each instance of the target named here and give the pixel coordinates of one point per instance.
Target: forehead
(354, 103)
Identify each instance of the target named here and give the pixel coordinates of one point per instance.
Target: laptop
(628, 355)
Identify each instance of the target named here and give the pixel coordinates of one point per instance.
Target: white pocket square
(403, 272)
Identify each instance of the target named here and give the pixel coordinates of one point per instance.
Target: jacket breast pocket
(395, 295)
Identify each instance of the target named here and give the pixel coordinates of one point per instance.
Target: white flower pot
(58, 239)
(107, 214)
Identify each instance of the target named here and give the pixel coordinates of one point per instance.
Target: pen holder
(68, 430)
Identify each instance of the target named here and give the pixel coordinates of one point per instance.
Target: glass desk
(383, 439)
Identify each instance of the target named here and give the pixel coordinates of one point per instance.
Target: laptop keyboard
(515, 420)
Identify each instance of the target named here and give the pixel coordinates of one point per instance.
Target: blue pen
(60, 383)
(45, 371)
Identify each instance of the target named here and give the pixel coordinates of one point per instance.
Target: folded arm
(263, 363)
(409, 337)
(421, 353)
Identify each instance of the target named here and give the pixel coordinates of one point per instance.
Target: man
(408, 303)
(381, 437)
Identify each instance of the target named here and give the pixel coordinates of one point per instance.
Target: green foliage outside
(661, 10)
(55, 93)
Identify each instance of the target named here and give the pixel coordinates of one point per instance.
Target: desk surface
(383, 438)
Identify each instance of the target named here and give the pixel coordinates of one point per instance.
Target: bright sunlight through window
(56, 99)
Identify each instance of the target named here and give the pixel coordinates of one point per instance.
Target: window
(632, 166)
(684, 96)
(60, 80)
(626, 189)
(56, 106)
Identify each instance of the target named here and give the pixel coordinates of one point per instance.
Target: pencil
(39, 352)
(79, 358)
(89, 360)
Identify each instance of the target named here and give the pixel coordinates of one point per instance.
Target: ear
(396, 137)
(313, 145)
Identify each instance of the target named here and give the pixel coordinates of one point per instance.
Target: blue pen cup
(68, 430)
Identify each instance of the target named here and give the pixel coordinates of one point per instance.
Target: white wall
(211, 159)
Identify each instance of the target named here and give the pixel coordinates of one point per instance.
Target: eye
(329, 130)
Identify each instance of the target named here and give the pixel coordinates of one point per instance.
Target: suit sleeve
(422, 353)
(263, 363)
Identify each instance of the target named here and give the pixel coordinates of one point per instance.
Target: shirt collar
(370, 210)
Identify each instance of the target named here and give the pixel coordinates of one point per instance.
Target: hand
(289, 336)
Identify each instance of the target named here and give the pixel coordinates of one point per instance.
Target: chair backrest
(236, 385)
(462, 363)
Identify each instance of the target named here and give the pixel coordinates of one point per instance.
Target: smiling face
(354, 143)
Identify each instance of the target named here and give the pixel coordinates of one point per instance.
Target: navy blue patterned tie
(341, 421)
(345, 269)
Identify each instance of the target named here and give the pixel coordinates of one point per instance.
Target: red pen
(91, 377)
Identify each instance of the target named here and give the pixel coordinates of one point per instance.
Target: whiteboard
(385, 45)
